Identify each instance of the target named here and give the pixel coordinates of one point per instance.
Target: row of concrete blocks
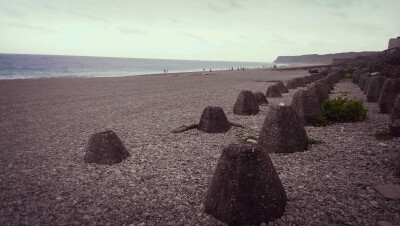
(214, 120)
(245, 188)
(391, 71)
(307, 102)
(247, 102)
(384, 91)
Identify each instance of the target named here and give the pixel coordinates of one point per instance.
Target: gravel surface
(46, 123)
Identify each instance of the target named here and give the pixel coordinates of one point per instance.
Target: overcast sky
(238, 30)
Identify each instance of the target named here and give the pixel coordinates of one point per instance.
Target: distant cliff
(314, 59)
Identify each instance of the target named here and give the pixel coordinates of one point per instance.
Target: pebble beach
(45, 125)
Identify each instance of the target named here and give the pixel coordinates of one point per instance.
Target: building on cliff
(394, 42)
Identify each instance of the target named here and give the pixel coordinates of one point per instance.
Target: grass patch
(340, 110)
(315, 141)
(382, 135)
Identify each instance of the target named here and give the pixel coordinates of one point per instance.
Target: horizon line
(39, 54)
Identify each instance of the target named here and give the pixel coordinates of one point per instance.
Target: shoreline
(280, 68)
(22, 66)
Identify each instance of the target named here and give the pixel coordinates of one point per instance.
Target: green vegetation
(315, 141)
(340, 110)
(247, 138)
(343, 110)
(341, 73)
(350, 70)
(250, 138)
(320, 120)
(382, 135)
(348, 76)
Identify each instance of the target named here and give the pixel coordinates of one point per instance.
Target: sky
(227, 30)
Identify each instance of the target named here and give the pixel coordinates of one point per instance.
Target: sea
(27, 66)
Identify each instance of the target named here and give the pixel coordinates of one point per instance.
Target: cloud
(89, 17)
(318, 44)
(245, 37)
(31, 27)
(280, 39)
(331, 3)
(73, 13)
(193, 36)
(130, 31)
(230, 4)
(339, 14)
(214, 8)
(235, 4)
(10, 12)
(365, 28)
(174, 20)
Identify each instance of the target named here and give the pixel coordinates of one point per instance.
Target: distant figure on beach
(204, 69)
(164, 71)
(210, 70)
(232, 68)
(274, 66)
